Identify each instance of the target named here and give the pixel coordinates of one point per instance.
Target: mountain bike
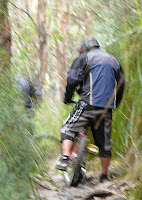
(75, 170)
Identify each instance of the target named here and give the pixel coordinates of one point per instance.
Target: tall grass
(17, 152)
(127, 123)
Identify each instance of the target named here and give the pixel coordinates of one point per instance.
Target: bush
(16, 150)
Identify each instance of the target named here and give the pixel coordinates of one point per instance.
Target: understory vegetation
(45, 38)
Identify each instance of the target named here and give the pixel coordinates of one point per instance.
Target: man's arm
(70, 88)
(75, 76)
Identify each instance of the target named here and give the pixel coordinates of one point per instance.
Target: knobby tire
(76, 168)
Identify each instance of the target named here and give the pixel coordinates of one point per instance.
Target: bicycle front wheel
(73, 174)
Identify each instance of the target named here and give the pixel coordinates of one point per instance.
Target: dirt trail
(89, 189)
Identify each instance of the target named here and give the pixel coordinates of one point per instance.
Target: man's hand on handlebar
(71, 101)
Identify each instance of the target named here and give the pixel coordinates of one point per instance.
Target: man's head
(88, 43)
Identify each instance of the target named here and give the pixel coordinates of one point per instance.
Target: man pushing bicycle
(101, 84)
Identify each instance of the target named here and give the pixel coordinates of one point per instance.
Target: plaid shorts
(82, 117)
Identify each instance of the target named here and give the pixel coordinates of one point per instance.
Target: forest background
(39, 39)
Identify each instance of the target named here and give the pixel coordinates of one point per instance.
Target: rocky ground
(88, 189)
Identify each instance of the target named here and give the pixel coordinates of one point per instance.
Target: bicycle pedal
(93, 149)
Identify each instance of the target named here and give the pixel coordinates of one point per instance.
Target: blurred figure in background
(101, 84)
(32, 92)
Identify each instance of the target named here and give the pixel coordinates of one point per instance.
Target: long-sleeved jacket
(100, 77)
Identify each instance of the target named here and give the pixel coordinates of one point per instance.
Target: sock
(64, 157)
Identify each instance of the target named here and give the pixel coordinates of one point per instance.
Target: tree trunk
(61, 52)
(5, 36)
(42, 50)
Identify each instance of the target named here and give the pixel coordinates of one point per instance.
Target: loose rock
(117, 197)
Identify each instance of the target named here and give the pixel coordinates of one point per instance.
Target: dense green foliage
(127, 123)
(118, 27)
(16, 149)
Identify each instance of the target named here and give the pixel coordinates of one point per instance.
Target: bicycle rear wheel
(73, 173)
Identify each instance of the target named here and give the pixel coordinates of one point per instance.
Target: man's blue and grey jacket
(100, 78)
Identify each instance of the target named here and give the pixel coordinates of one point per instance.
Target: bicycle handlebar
(72, 101)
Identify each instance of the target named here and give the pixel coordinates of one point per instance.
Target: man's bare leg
(105, 161)
(66, 151)
(66, 147)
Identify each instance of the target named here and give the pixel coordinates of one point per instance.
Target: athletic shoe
(62, 163)
(104, 177)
